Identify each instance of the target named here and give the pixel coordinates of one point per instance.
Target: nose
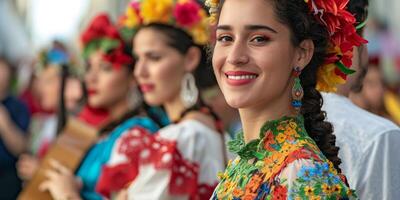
(238, 54)
(140, 69)
(91, 77)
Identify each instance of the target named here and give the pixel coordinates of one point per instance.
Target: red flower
(280, 192)
(187, 14)
(100, 27)
(340, 26)
(118, 58)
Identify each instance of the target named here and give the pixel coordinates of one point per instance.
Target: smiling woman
(269, 58)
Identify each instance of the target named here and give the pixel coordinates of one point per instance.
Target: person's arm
(379, 170)
(13, 137)
(306, 178)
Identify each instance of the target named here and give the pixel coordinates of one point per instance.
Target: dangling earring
(189, 91)
(297, 90)
(134, 98)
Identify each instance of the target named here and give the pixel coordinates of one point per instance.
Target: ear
(304, 53)
(192, 59)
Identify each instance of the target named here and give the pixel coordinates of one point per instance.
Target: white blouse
(181, 161)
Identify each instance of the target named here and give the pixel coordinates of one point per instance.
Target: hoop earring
(135, 98)
(297, 90)
(189, 91)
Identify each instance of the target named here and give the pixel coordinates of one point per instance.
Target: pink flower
(187, 14)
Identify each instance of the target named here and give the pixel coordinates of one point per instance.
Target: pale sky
(55, 19)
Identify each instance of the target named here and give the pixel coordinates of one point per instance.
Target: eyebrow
(248, 27)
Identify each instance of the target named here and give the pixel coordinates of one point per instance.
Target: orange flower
(237, 192)
(249, 196)
(253, 184)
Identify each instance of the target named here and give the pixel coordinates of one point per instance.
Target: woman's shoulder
(187, 129)
(309, 178)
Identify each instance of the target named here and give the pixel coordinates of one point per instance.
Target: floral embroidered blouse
(284, 163)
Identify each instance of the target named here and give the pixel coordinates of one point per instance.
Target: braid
(305, 26)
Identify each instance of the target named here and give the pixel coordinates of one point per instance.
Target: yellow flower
(332, 168)
(309, 190)
(327, 80)
(315, 198)
(200, 32)
(326, 189)
(272, 164)
(280, 138)
(156, 11)
(226, 189)
(132, 19)
(288, 148)
(222, 175)
(290, 132)
(336, 189)
(212, 3)
(293, 125)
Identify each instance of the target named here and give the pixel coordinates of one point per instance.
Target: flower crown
(340, 24)
(187, 15)
(102, 35)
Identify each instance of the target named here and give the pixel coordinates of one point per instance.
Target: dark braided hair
(296, 15)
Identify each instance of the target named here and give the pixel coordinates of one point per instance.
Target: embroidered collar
(274, 132)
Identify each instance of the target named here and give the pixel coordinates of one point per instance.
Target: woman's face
(159, 68)
(50, 87)
(253, 56)
(106, 85)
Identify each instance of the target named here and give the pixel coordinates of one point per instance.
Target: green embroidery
(254, 174)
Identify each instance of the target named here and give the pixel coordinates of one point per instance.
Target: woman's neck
(174, 108)
(255, 117)
(119, 109)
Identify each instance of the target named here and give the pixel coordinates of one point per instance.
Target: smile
(239, 78)
(242, 77)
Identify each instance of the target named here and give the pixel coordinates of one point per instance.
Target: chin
(237, 102)
(152, 101)
(95, 103)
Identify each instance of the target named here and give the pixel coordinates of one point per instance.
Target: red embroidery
(141, 148)
(115, 178)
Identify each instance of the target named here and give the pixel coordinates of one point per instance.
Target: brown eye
(225, 38)
(260, 39)
(105, 66)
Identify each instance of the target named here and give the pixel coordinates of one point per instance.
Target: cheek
(113, 84)
(167, 78)
(218, 61)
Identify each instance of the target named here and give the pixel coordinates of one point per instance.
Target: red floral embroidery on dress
(116, 177)
(142, 148)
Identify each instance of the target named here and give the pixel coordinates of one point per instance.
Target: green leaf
(107, 45)
(344, 69)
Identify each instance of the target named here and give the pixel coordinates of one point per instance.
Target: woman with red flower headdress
(270, 59)
(180, 161)
(112, 89)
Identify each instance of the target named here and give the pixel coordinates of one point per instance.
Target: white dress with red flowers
(181, 161)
